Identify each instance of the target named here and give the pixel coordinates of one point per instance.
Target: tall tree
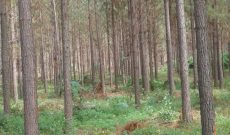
(194, 50)
(186, 103)
(143, 50)
(5, 56)
(14, 49)
(100, 47)
(91, 47)
(57, 45)
(204, 80)
(66, 67)
(169, 48)
(134, 47)
(28, 68)
(115, 48)
(108, 40)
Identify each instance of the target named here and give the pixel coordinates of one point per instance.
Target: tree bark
(5, 57)
(194, 50)
(204, 80)
(109, 45)
(143, 51)
(186, 103)
(100, 48)
(115, 48)
(91, 48)
(14, 51)
(135, 55)
(57, 44)
(68, 105)
(169, 48)
(28, 68)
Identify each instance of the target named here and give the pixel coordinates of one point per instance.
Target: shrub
(167, 113)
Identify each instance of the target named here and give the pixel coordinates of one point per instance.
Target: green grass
(161, 112)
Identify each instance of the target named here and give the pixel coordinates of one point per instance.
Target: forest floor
(115, 113)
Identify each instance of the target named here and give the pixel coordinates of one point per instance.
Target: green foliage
(146, 131)
(157, 85)
(12, 125)
(226, 60)
(76, 87)
(190, 63)
(51, 123)
(167, 113)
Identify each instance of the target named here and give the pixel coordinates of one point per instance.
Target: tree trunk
(135, 55)
(57, 44)
(5, 57)
(143, 51)
(14, 47)
(115, 48)
(91, 48)
(74, 54)
(28, 68)
(194, 50)
(204, 80)
(169, 48)
(100, 48)
(68, 105)
(186, 104)
(219, 59)
(150, 44)
(109, 45)
(43, 72)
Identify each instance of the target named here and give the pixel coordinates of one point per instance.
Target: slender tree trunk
(91, 48)
(14, 51)
(219, 59)
(74, 53)
(100, 47)
(135, 55)
(194, 50)
(169, 48)
(186, 103)
(109, 45)
(28, 68)
(143, 53)
(115, 48)
(56, 55)
(66, 68)
(204, 80)
(43, 72)
(5, 57)
(150, 44)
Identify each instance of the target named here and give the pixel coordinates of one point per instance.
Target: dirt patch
(130, 127)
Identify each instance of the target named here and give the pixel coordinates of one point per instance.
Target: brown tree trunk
(109, 45)
(100, 48)
(219, 59)
(74, 54)
(43, 72)
(56, 55)
(149, 36)
(135, 55)
(143, 49)
(186, 103)
(28, 68)
(204, 80)
(115, 48)
(5, 56)
(169, 48)
(14, 51)
(194, 50)
(91, 48)
(66, 68)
